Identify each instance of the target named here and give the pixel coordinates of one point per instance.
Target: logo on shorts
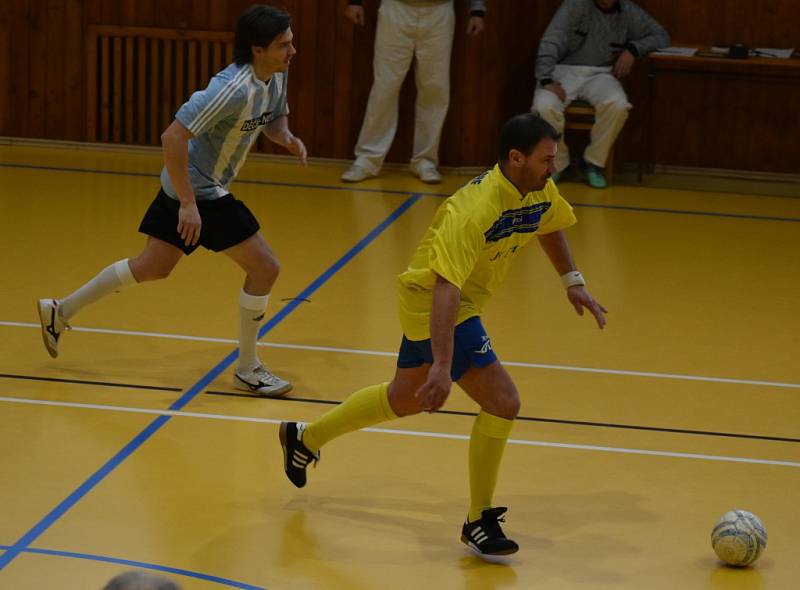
(253, 124)
(486, 346)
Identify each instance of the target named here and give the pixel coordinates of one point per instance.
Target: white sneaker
(52, 324)
(426, 172)
(262, 382)
(356, 173)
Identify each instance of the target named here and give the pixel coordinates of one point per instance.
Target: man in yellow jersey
(461, 260)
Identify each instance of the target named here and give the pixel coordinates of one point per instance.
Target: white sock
(251, 312)
(112, 278)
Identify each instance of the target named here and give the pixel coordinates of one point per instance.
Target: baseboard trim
(340, 163)
(717, 173)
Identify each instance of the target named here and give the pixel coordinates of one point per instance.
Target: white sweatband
(572, 279)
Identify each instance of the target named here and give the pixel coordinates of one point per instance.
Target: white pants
(405, 31)
(600, 88)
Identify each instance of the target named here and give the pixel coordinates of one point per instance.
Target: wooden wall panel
(37, 76)
(324, 74)
(72, 44)
(5, 65)
(766, 23)
(55, 78)
(721, 122)
(344, 82)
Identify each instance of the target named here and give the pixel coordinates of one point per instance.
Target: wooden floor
(133, 450)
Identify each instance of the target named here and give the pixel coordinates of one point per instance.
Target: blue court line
(143, 565)
(395, 192)
(25, 541)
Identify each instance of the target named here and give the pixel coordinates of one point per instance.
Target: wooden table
(663, 66)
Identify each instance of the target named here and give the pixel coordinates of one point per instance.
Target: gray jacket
(582, 34)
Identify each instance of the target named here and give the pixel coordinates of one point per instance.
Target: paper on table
(771, 52)
(687, 51)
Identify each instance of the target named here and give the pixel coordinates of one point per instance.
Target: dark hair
(258, 26)
(523, 132)
(137, 580)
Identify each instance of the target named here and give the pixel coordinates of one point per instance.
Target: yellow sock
(486, 446)
(363, 408)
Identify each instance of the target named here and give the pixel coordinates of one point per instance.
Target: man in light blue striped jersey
(204, 148)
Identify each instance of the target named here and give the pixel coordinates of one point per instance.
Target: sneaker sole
(239, 383)
(43, 322)
(597, 186)
(282, 438)
(354, 180)
(474, 547)
(426, 180)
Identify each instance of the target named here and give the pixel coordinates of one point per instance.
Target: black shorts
(225, 222)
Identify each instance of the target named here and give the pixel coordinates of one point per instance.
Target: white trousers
(406, 31)
(603, 91)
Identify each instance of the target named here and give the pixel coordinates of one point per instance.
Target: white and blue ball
(739, 538)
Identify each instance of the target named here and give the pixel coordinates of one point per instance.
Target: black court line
(547, 420)
(400, 192)
(683, 212)
(238, 180)
(88, 382)
(38, 529)
(450, 412)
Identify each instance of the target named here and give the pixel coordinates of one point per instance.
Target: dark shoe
(296, 456)
(485, 535)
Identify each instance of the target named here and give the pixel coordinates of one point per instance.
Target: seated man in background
(587, 47)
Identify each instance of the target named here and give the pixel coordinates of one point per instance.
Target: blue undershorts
(471, 347)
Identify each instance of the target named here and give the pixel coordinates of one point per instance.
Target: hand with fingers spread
(433, 393)
(189, 223)
(580, 298)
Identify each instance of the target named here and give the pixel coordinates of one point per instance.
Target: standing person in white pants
(588, 46)
(406, 29)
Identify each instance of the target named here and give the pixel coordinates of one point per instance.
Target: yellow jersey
(473, 238)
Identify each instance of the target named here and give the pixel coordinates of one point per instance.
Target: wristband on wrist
(572, 278)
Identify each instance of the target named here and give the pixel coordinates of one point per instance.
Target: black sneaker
(296, 456)
(485, 535)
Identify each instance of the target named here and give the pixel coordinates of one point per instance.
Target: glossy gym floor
(132, 450)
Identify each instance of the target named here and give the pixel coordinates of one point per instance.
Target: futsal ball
(739, 538)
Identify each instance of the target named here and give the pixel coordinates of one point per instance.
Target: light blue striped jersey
(225, 120)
